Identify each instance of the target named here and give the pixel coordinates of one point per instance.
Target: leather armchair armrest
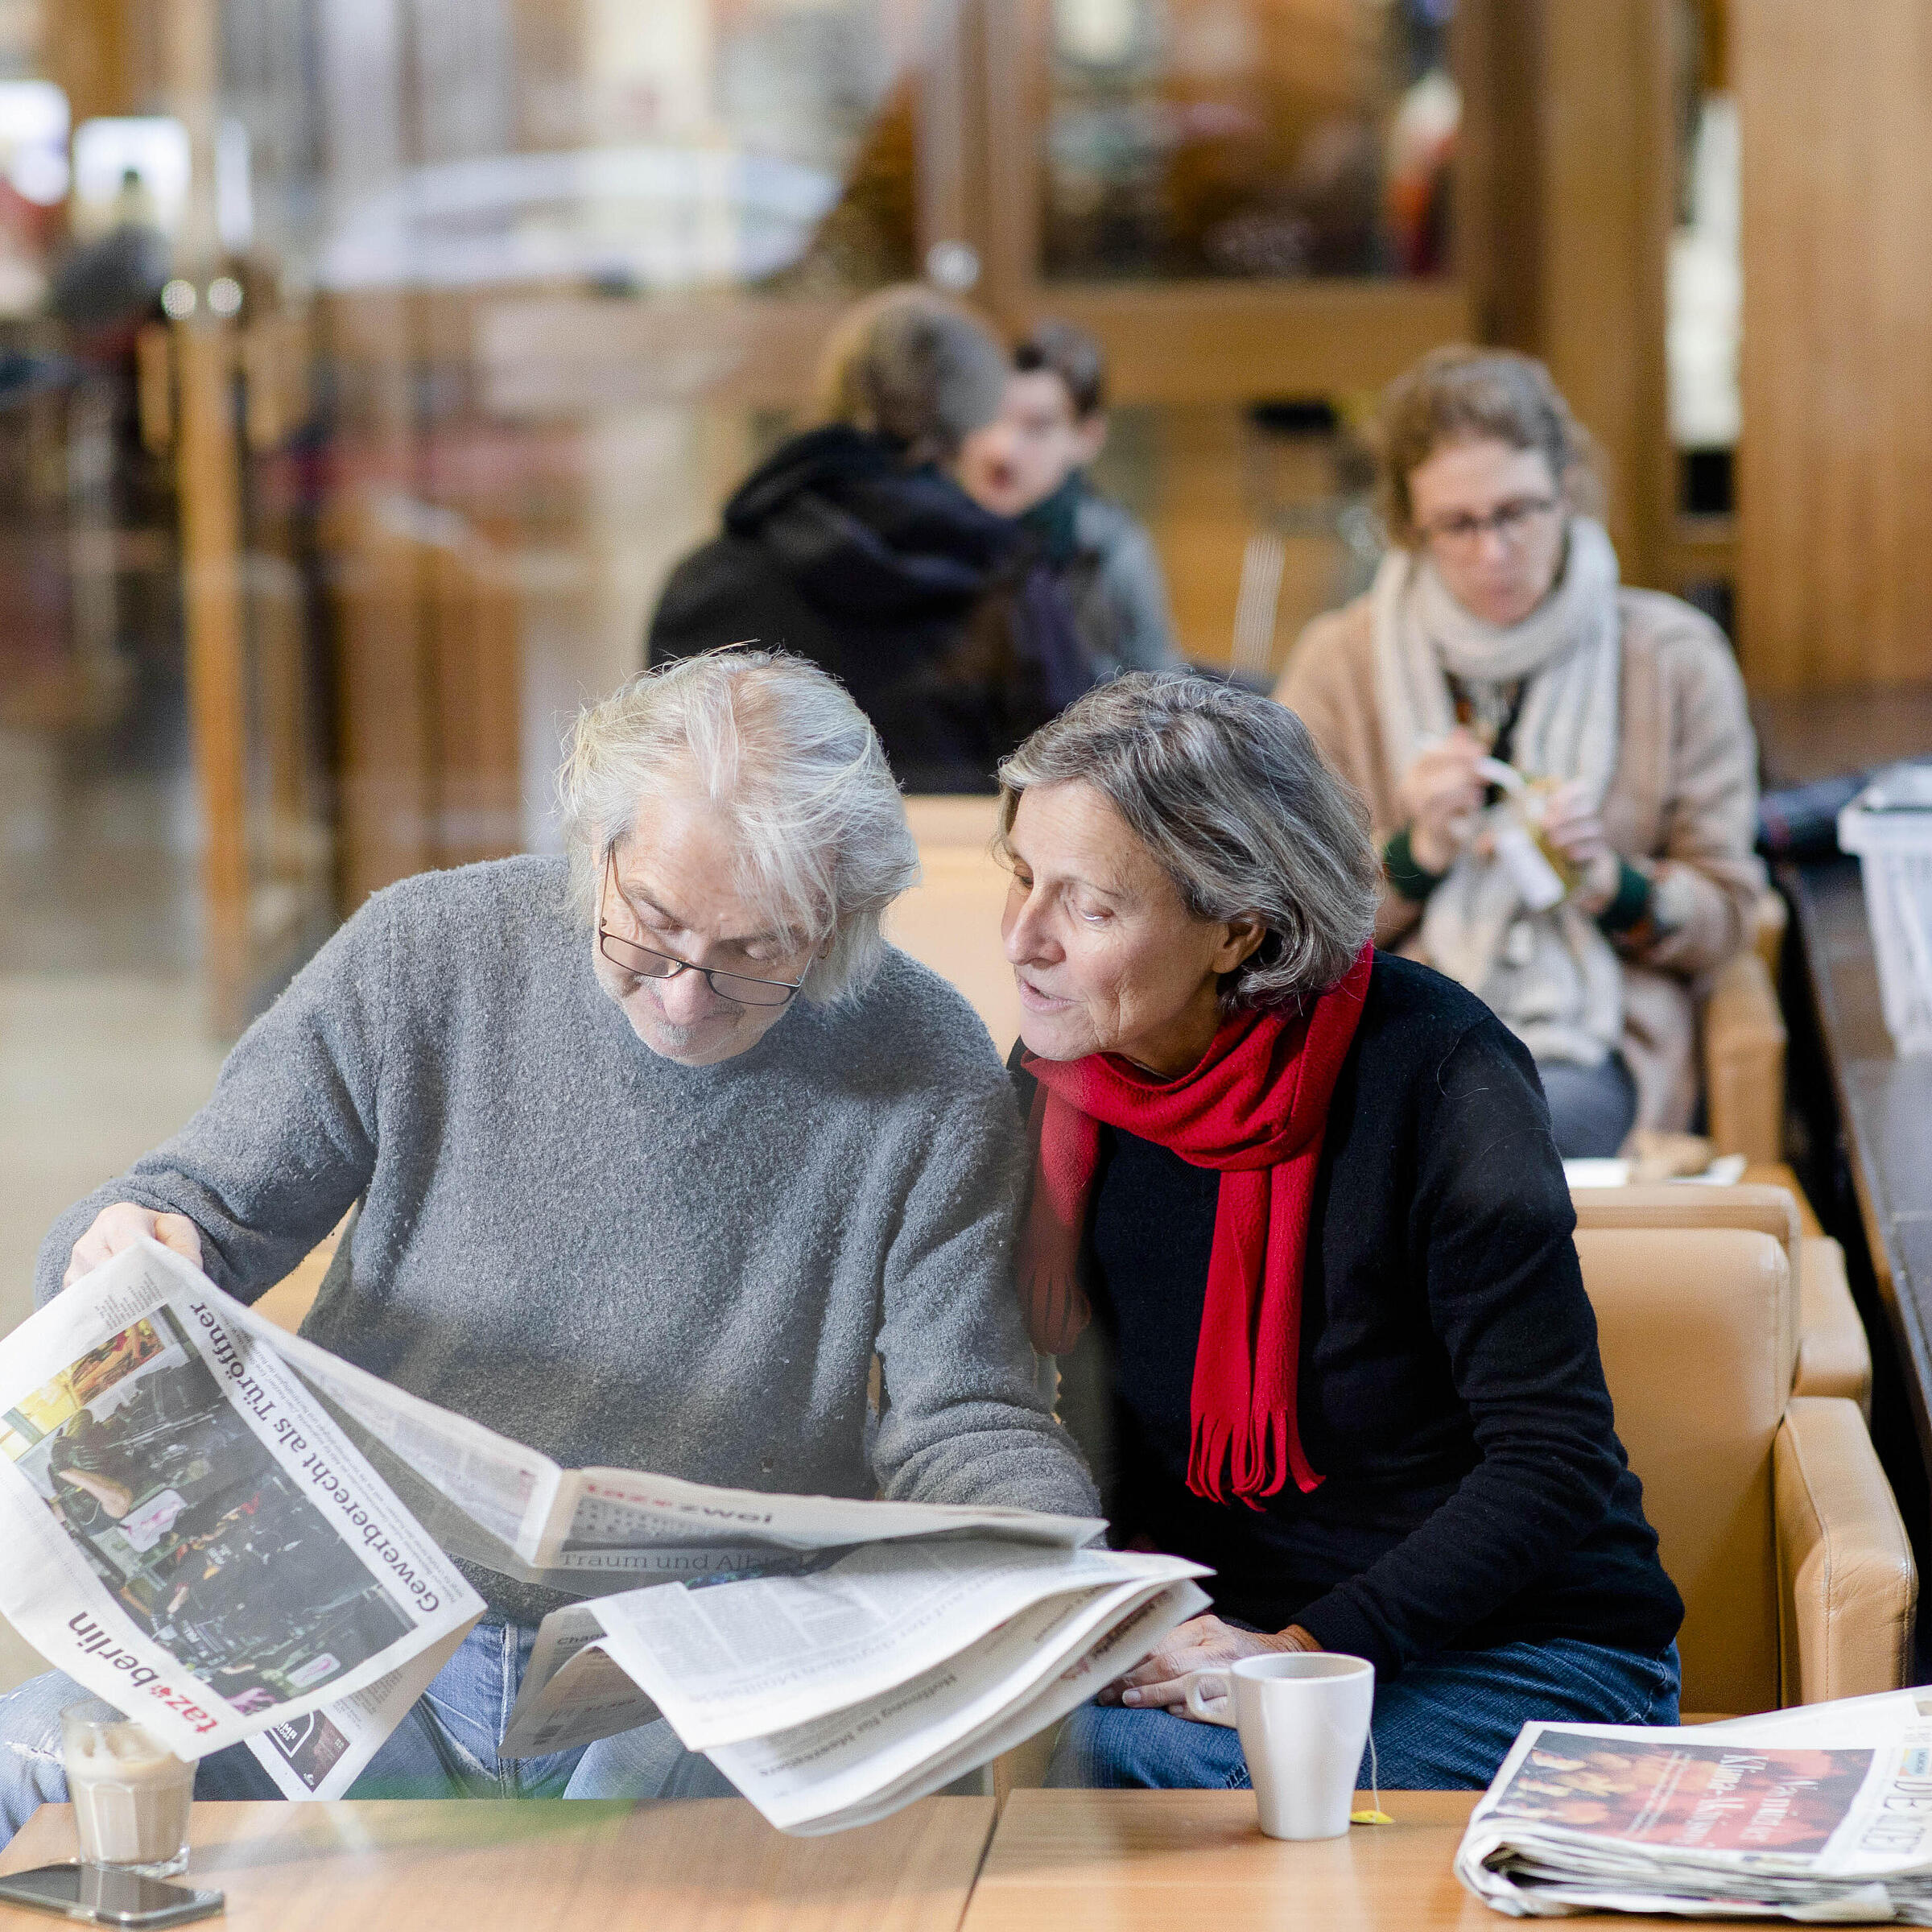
(1744, 1060)
(1834, 1352)
(1847, 1589)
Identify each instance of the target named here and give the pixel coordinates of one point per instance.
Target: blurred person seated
(1030, 463)
(1301, 1240)
(854, 546)
(655, 1146)
(1496, 628)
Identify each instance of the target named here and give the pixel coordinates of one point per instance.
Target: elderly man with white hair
(652, 1151)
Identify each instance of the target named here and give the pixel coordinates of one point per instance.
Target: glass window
(1248, 138)
(680, 146)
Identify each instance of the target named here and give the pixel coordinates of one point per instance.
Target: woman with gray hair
(854, 546)
(1300, 1234)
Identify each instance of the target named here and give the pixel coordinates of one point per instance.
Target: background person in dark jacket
(854, 546)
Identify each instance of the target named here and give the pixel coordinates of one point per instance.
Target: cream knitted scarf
(1550, 976)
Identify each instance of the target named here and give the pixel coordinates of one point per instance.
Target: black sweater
(1451, 1396)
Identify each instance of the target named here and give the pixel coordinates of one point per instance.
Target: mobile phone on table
(106, 1896)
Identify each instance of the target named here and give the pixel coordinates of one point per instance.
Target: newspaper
(225, 1522)
(192, 1537)
(1822, 1813)
(846, 1685)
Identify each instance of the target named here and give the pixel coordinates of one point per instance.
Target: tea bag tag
(1539, 882)
(1377, 1816)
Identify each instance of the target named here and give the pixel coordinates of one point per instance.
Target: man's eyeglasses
(741, 989)
(1510, 521)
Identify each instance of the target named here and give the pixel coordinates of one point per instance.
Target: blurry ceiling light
(33, 139)
(1099, 33)
(653, 217)
(953, 265)
(224, 295)
(177, 300)
(150, 148)
(234, 196)
(39, 176)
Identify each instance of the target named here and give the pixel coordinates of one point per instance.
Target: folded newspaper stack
(237, 1536)
(1822, 1813)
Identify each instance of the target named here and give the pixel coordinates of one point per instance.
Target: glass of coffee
(131, 1795)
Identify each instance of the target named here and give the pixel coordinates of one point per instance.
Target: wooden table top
(1174, 1861)
(470, 1865)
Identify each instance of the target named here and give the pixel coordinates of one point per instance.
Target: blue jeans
(1591, 1108)
(445, 1747)
(1445, 1724)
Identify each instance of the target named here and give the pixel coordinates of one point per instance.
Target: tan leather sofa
(1744, 1045)
(1834, 1353)
(950, 921)
(1774, 1518)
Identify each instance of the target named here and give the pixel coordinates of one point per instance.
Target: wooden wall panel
(1834, 482)
(1602, 209)
(1497, 51)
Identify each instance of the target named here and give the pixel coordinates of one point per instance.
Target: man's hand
(120, 1227)
(1203, 1643)
(1573, 825)
(1436, 796)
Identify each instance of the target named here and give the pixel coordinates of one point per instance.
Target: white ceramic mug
(1303, 1717)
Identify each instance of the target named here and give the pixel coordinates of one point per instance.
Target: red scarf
(1255, 1108)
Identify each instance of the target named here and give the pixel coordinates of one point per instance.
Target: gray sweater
(613, 1258)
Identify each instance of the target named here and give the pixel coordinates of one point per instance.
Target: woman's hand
(1203, 1643)
(1437, 795)
(120, 1227)
(1573, 825)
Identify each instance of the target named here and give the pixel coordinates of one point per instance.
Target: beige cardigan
(1683, 807)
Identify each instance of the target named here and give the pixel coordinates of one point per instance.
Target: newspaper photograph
(196, 1536)
(1823, 1812)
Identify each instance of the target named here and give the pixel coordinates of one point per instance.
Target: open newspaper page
(189, 1533)
(494, 1501)
(853, 1685)
(733, 1658)
(1819, 1814)
(858, 1765)
(256, 1537)
(742, 1659)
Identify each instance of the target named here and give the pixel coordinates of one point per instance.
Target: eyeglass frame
(606, 939)
(1509, 521)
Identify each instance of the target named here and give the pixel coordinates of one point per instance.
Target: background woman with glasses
(1496, 633)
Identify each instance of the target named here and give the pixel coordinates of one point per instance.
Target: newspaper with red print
(1822, 1813)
